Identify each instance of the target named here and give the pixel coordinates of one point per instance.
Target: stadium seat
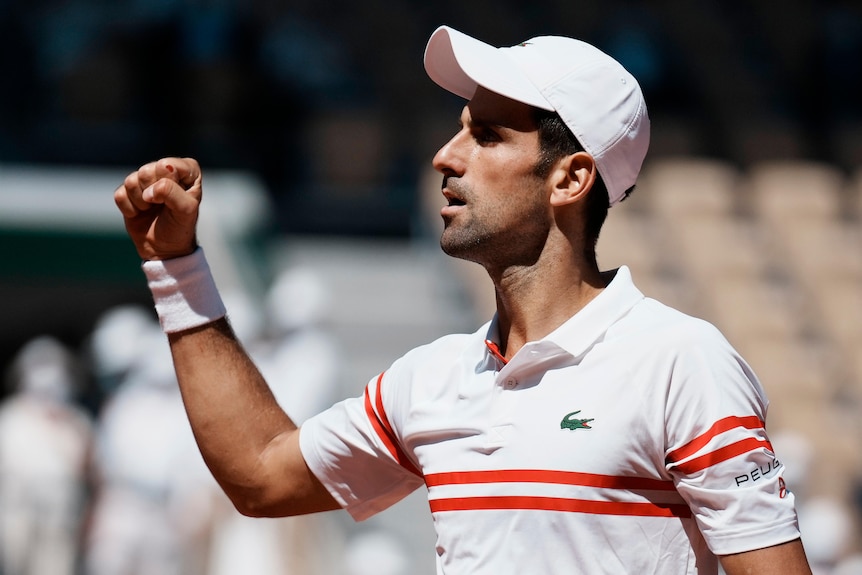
(821, 250)
(786, 369)
(628, 238)
(634, 236)
(718, 248)
(752, 309)
(690, 187)
(840, 305)
(784, 192)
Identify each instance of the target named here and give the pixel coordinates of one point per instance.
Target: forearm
(785, 559)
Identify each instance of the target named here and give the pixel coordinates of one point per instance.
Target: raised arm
(249, 443)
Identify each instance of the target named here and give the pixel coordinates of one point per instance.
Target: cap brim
(459, 64)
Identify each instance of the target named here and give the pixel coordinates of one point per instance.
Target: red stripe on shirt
(384, 430)
(495, 351)
(719, 427)
(547, 476)
(723, 454)
(559, 504)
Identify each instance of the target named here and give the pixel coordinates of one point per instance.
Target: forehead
(486, 107)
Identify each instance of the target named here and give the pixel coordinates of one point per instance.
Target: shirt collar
(586, 327)
(580, 332)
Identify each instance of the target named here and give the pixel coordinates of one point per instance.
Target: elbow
(251, 508)
(269, 502)
(281, 500)
(275, 486)
(257, 503)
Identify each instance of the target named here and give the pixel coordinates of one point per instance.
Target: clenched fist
(160, 203)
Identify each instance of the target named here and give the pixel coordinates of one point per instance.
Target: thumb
(182, 203)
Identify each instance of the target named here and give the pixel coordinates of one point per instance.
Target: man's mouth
(453, 204)
(450, 192)
(454, 197)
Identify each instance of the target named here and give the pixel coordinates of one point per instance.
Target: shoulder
(429, 371)
(682, 349)
(660, 326)
(446, 350)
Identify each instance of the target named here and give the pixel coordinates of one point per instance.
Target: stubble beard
(463, 239)
(481, 236)
(461, 243)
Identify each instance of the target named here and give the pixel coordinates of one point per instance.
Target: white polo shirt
(629, 440)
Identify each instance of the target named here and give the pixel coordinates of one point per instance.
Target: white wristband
(184, 292)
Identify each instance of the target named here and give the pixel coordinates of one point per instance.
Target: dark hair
(557, 141)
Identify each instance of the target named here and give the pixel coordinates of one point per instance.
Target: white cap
(600, 102)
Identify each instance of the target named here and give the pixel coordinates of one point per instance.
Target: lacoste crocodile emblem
(573, 423)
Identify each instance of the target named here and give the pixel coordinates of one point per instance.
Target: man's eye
(486, 136)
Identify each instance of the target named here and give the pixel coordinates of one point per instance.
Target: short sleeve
(354, 451)
(718, 451)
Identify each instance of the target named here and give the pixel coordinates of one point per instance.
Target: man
(45, 443)
(585, 429)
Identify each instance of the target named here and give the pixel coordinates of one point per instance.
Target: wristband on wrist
(184, 292)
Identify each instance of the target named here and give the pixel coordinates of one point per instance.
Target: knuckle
(131, 180)
(164, 165)
(146, 171)
(162, 188)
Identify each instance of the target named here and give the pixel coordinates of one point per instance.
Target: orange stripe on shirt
(520, 502)
(384, 430)
(547, 476)
(723, 454)
(719, 427)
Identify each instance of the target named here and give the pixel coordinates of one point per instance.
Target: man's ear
(573, 177)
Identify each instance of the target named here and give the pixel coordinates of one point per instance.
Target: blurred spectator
(157, 510)
(827, 529)
(154, 497)
(851, 565)
(797, 455)
(45, 441)
(376, 553)
(298, 357)
(113, 347)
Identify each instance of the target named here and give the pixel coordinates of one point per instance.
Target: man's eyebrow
(480, 122)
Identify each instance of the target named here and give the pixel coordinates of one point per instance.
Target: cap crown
(597, 98)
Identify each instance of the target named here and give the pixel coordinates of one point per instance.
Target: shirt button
(511, 383)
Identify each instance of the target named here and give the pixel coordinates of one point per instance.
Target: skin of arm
(785, 559)
(249, 443)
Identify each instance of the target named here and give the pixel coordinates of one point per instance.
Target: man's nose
(449, 159)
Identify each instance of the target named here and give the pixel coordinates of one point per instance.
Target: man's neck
(532, 302)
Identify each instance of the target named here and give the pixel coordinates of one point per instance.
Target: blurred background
(315, 125)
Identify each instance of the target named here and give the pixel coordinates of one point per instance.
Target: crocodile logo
(573, 423)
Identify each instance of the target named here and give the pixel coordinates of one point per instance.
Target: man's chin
(459, 247)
